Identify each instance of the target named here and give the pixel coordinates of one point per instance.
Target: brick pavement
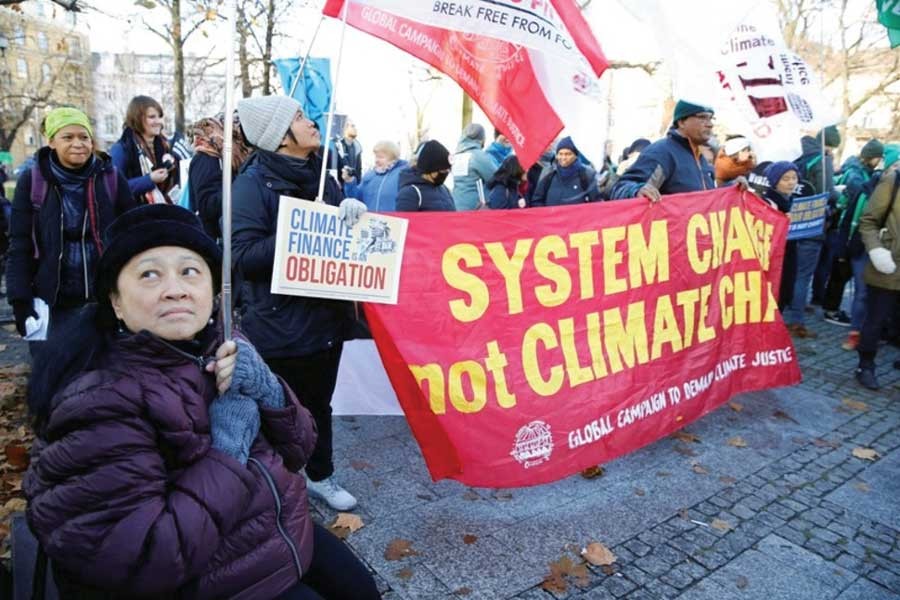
(806, 518)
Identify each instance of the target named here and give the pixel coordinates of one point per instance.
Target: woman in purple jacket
(167, 461)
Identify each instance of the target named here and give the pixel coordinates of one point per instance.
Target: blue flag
(313, 92)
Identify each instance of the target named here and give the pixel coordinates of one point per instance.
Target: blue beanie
(684, 109)
(567, 144)
(776, 171)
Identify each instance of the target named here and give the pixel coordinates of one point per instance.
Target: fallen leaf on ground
(639, 492)
(727, 480)
(683, 513)
(348, 521)
(855, 404)
(737, 442)
(685, 436)
(720, 525)
(469, 539)
(501, 495)
(862, 486)
(361, 465)
(559, 570)
(780, 414)
(685, 451)
(699, 469)
(592, 472)
(463, 591)
(398, 549)
(423, 496)
(741, 582)
(405, 574)
(736, 407)
(471, 495)
(597, 554)
(865, 453)
(662, 473)
(17, 457)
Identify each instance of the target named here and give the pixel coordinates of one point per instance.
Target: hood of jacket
(466, 144)
(411, 175)
(810, 145)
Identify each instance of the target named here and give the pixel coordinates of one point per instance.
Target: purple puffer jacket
(128, 496)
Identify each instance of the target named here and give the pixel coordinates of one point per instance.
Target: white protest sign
(317, 255)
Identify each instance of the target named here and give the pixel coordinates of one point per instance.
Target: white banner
(316, 255)
(733, 57)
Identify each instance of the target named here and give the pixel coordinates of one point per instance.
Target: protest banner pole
(227, 152)
(305, 58)
(327, 140)
(822, 70)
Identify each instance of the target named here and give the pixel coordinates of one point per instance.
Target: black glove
(22, 309)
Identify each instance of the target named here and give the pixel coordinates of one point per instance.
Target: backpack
(583, 178)
(40, 189)
(804, 166)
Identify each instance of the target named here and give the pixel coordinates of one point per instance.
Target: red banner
(530, 344)
(516, 60)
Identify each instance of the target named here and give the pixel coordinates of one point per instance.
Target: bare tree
(420, 74)
(176, 33)
(858, 58)
(59, 84)
(70, 5)
(257, 27)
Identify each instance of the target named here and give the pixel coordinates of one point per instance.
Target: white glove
(882, 260)
(350, 211)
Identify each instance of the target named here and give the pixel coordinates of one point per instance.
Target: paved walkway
(805, 518)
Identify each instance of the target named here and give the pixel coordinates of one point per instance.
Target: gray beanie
(474, 131)
(266, 119)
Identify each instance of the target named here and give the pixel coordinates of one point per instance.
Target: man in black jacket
(300, 338)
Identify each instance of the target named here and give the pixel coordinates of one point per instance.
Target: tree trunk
(178, 56)
(267, 55)
(466, 110)
(243, 59)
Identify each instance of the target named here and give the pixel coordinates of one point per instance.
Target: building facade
(45, 63)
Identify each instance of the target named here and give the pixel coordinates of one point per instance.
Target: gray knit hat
(266, 119)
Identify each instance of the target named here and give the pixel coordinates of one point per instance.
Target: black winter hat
(872, 149)
(151, 226)
(433, 156)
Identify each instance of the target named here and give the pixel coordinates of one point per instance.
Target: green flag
(889, 16)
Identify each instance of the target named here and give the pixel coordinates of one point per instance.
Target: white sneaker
(334, 495)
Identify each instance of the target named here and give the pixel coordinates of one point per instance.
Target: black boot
(866, 378)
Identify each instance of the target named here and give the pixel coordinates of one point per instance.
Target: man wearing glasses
(674, 164)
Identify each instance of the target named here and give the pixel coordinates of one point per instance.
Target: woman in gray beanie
(301, 339)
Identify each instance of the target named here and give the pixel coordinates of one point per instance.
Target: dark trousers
(788, 276)
(824, 267)
(335, 573)
(880, 307)
(312, 378)
(834, 291)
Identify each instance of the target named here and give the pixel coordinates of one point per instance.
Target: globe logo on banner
(483, 51)
(534, 444)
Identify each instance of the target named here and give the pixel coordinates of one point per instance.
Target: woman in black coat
(504, 185)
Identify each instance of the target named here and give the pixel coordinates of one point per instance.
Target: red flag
(533, 66)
